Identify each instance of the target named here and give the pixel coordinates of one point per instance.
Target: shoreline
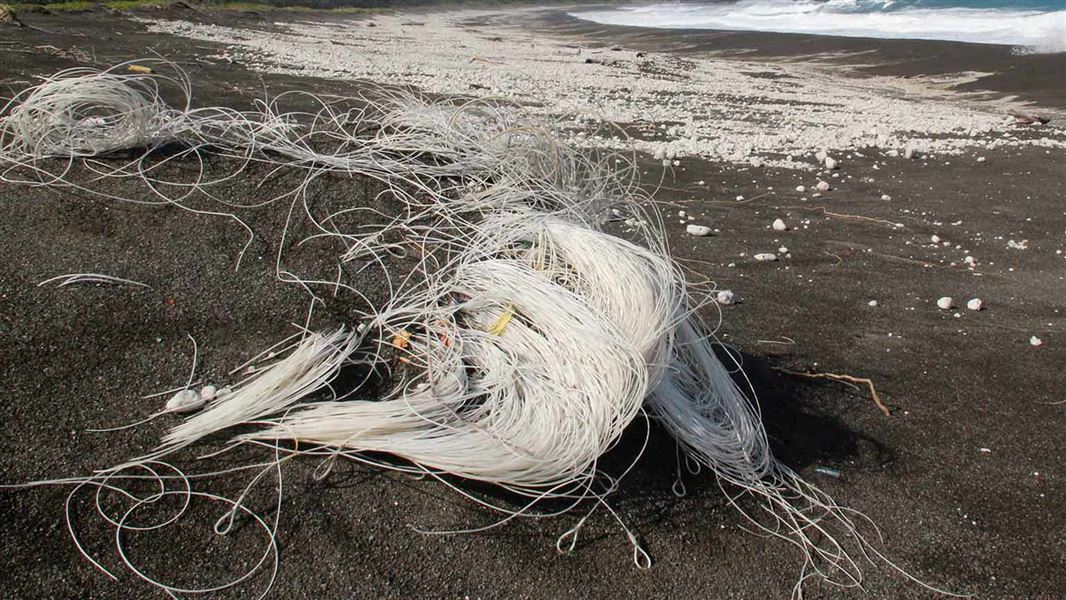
(735, 108)
(999, 71)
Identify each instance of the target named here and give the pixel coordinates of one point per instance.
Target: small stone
(935, 239)
(830, 163)
(208, 393)
(680, 213)
(970, 261)
(980, 159)
(782, 250)
(821, 155)
(910, 153)
(697, 230)
(739, 198)
(726, 297)
(765, 257)
(872, 303)
(185, 401)
(974, 304)
(779, 225)
(801, 189)
(1036, 342)
(886, 197)
(945, 303)
(823, 186)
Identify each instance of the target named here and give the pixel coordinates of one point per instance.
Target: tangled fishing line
(523, 344)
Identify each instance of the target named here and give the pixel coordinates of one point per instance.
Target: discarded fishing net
(525, 343)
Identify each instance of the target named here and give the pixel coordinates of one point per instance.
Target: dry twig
(847, 378)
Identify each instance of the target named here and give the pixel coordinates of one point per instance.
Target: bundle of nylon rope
(531, 344)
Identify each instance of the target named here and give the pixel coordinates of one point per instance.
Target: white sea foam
(1037, 30)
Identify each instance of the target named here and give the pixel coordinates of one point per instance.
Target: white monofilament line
(529, 339)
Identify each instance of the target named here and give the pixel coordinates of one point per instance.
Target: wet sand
(997, 71)
(965, 480)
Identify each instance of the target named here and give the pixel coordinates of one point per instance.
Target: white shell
(945, 303)
(1035, 341)
(935, 239)
(974, 304)
(726, 297)
(185, 401)
(801, 189)
(779, 225)
(698, 230)
(872, 303)
(765, 256)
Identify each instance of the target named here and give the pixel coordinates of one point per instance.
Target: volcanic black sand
(965, 479)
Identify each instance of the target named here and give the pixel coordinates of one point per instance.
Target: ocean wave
(1034, 24)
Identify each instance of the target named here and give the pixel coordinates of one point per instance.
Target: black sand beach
(965, 480)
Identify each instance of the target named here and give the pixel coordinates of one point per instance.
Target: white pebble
(935, 239)
(801, 189)
(1035, 341)
(980, 159)
(739, 198)
(208, 393)
(765, 256)
(823, 186)
(970, 261)
(698, 230)
(726, 297)
(872, 303)
(910, 153)
(779, 225)
(886, 197)
(945, 303)
(782, 250)
(185, 401)
(830, 163)
(974, 304)
(821, 155)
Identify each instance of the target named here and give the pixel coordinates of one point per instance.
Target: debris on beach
(1028, 119)
(497, 355)
(1022, 245)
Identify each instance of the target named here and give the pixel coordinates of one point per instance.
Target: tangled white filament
(528, 339)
